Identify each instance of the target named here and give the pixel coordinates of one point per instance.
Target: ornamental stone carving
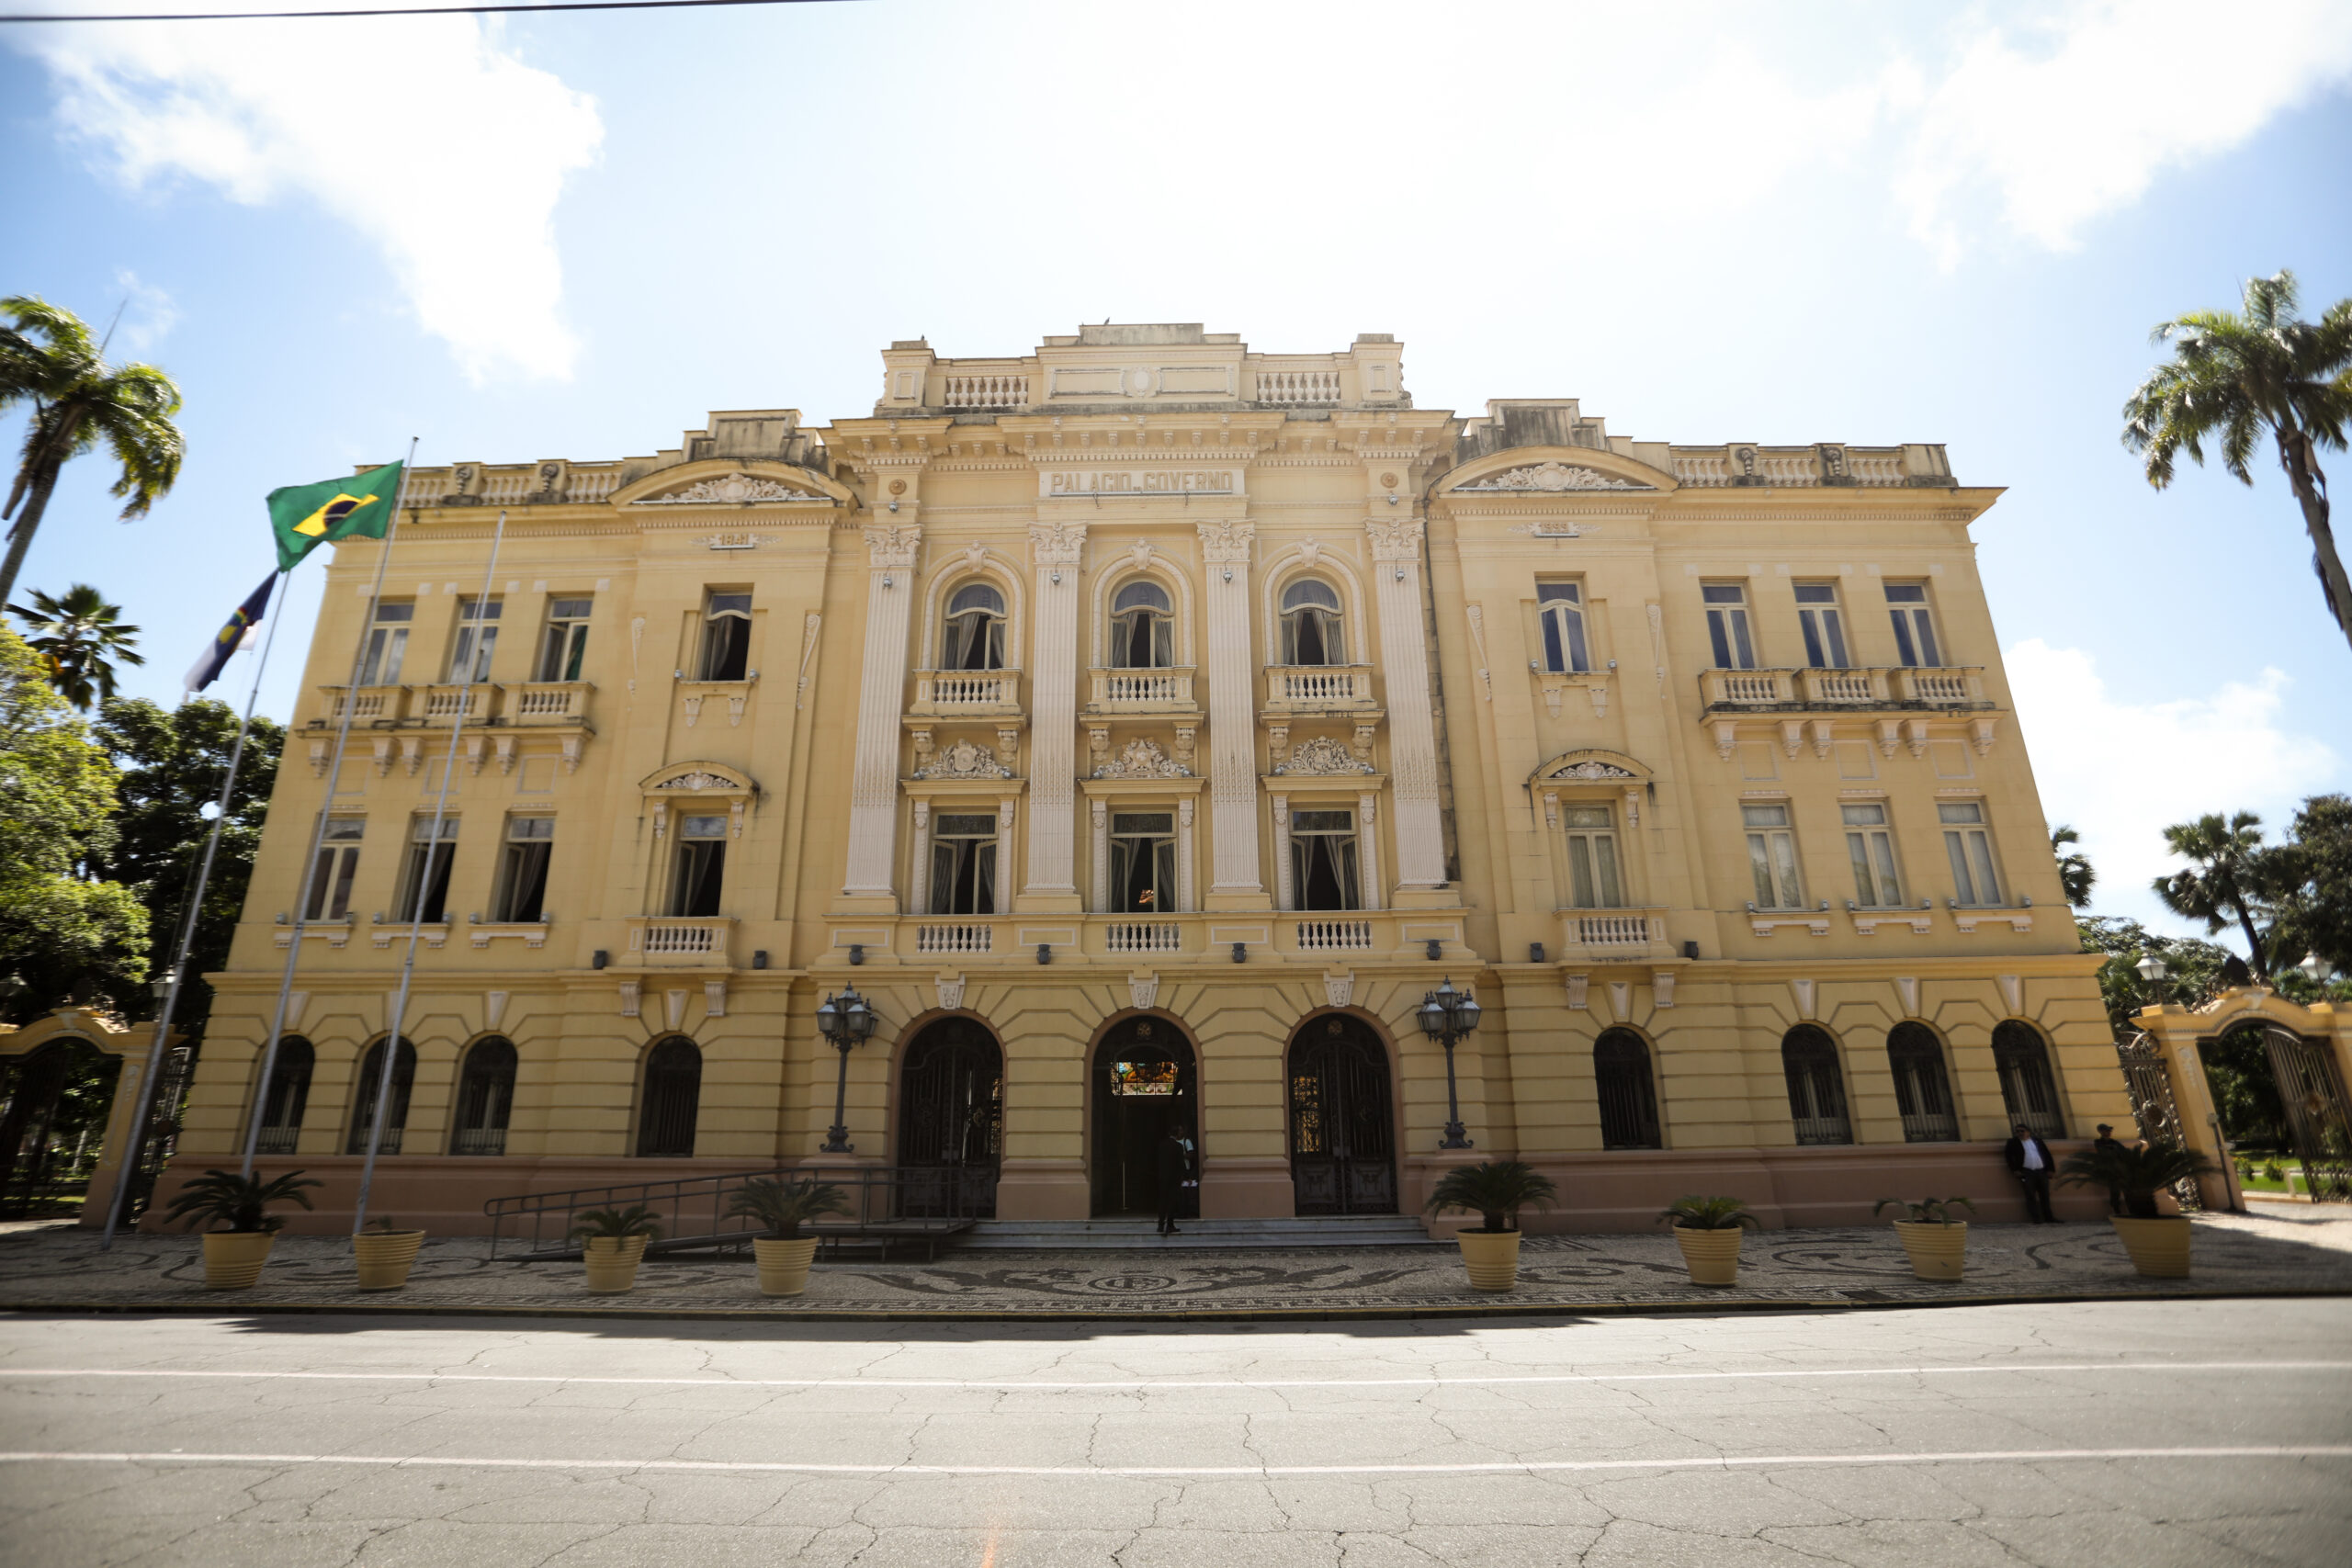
(1322, 756)
(1339, 989)
(1551, 478)
(964, 760)
(1592, 772)
(1397, 540)
(697, 780)
(734, 490)
(1226, 543)
(892, 545)
(1142, 759)
(1057, 544)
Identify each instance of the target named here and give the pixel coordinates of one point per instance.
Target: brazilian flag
(306, 516)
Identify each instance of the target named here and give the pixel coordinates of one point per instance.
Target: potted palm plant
(1936, 1243)
(783, 1253)
(239, 1206)
(612, 1241)
(2157, 1242)
(1494, 1190)
(1708, 1230)
(385, 1255)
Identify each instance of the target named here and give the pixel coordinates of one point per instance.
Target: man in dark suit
(2029, 1161)
(2106, 1141)
(1175, 1166)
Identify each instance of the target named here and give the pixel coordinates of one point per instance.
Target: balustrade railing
(369, 704)
(955, 936)
(592, 484)
(948, 689)
(1845, 687)
(657, 937)
(1296, 387)
(1302, 687)
(1143, 936)
(1746, 688)
(1142, 689)
(446, 705)
(546, 701)
(985, 392)
(1335, 936)
(1942, 687)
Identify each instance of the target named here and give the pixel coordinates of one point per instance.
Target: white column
(873, 771)
(1052, 711)
(1185, 904)
(1368, 850)
(1283, 893)
(919, 863)
(1233, 750)
(1100, 902)
(1412, 735)
(1006, 813)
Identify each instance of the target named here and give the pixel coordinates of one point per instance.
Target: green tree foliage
(2235, 375)
(2228, 882)
(81, 636)
(50, 362)
(63, 929)
(172, 761)
(2313, 886)
(2075, 874)
(2196, 970)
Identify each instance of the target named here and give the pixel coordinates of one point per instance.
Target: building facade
(1145, 726)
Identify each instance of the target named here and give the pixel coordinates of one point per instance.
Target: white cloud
(148, 316)
(2059, 122)
(420, 132)
(2121, 773)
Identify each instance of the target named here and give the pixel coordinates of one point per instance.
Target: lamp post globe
(847, 1020)
(2151, 968)
(1446, 1016)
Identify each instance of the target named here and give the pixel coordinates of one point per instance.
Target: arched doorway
(1144, 1084)
(2028, 1092)
(1817, 1088)
(1342, 1128)
(1922, 1088)
(1620, 1082)
(951, 1121)
(485, 1099)
(289, 1094)
(53, 1106)
(665, 1124)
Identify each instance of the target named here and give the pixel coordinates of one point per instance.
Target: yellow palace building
(1144, 727)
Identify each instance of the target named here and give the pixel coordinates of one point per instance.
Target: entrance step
(1142, 1235)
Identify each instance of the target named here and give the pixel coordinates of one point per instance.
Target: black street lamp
(1446, 1016)
(847, 1022)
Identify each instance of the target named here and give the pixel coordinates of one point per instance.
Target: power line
(396, 11)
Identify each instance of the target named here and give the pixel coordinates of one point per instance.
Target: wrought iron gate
(1342, 1140)
(2151, 1105)
(2312, 1098)
(951, 1123)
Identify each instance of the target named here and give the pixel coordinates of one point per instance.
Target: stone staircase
(1142, 1235)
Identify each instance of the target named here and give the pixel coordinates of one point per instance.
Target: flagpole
(425, 881)
(151, 1073)
(319, 831)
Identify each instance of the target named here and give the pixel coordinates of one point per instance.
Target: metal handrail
(907, 1201)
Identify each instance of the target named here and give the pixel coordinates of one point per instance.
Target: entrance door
(1342, 1138)
(951, 1122)
(1143, 1085)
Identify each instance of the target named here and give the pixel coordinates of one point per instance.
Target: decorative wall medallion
(1552, 477)
(1311, 552)
(1339, 989)
(964, 759)
(734, 490)
(951, 991)
(898, 487)
(1139, 554)
(1322, 755)
(1388, 481)
(1142, 759)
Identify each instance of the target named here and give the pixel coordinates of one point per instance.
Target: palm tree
(2227, 881)
(49, 360)
(2075, 874)
(2236, 375)
(81, 638)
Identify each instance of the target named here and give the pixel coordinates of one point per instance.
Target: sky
(572, 234)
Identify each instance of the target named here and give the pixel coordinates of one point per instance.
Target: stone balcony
(1950, 687)
(1613, 936)
(438, 707)
(378, 706)
(549, 704)
(1302, 691)
(1165, 692)
(987, 694)
(680, 942)
(1318, 936)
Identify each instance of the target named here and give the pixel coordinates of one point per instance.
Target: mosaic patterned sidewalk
(2305, 1251)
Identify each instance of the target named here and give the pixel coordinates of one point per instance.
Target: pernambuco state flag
(303, 517)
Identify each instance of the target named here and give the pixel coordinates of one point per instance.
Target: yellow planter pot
(2159, 1248)
(1712, 1256)
(784, 1264)
(385, 1257)
(1491, 1256)
(612, 1262)
(232, 1260)
(1938, 1251)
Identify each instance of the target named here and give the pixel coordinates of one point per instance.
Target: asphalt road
(2136, 1434)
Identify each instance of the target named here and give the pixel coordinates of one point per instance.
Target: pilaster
(1412, 734)
(1053, 726)
(1233, 760)
(874, 771)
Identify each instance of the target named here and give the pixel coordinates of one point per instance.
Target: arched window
(665, 1124)
(1621, 1075)
(1311, 629)
(485, 1099)
(289, 1091)
(371, 1072)
(1143, 629)
(1922, 1090)
(973, 637)
(1562, 607)
(1817, 1088)
(2027, 1089)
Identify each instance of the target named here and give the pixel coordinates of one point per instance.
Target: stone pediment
(698, 778)
(1546, 478)
(736, 489)
(1592, 767)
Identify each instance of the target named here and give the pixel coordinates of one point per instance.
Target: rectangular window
(1915, 628)
(1561, 604)
(523, 871)
(1323, 860)
(1592, 857)
(702, 866)
(387, 644)
(1143, 862)
(1727, 625)
(1825, 632)
(566, 641)
(1772, 857)
(338, 862)
(726, 636)
(1871, 849)
(1971, 848)
(963, 864)
(477, 639)
(425, 879)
